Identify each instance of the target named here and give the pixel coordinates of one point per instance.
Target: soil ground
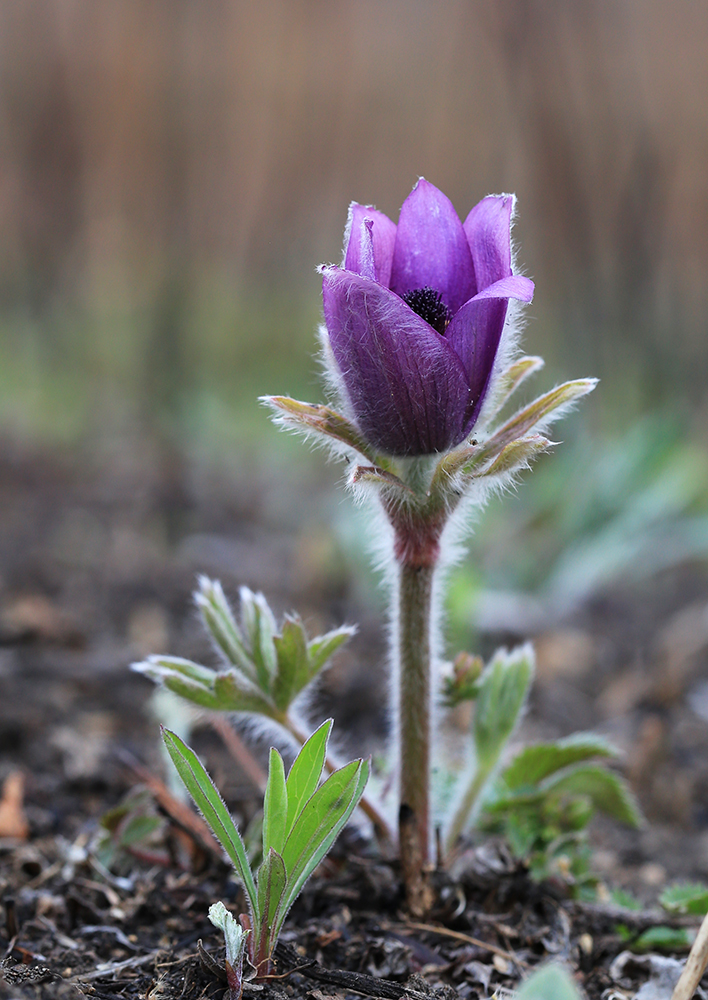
(98, 559)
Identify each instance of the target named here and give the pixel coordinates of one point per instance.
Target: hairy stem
(414, 725)
(467, 805)
(380, 823)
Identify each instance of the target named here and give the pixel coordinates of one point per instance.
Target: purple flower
(415, 317)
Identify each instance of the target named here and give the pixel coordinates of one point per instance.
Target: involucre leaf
(534, 763)
(235, 694)
(319, 419)
(540, 413)
(305, 773)
(208, 800)
(275, 805)
(516, 455)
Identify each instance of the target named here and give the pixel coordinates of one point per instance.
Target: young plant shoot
(264, 671)
(420, 342)
(301, 821)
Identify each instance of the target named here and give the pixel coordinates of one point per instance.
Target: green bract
(301, 821)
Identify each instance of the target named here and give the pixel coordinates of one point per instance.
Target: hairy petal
(381, 235)
(488, 232)
(475, 332)
(431, 248)
(406, 385)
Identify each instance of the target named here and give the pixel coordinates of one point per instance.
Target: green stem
(414, 718)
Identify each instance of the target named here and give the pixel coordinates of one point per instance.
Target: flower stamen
(428, 304)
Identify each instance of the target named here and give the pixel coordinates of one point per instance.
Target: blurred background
(170, 176)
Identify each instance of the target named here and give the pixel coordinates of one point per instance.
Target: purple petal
(514, 287)
(383, 237)
(488, 231)
(406, 385)
(431, 248)
(475, 331)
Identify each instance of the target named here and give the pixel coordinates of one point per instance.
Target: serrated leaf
(608, 792)
(314, 417)
(272, 880)
(323, 647)
(259, 629)
(503, 688)
(318, 826)
(534, 763)
(208, 800)
(219, 621)
(685, 897)
(552, 982)
(305, 773)
(275, 805)
(293, 671)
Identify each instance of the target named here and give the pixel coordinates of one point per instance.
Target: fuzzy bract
(415, 317)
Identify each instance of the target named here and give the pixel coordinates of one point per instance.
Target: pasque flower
(415, 317)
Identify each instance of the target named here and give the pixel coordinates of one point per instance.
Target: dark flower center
(429, 305)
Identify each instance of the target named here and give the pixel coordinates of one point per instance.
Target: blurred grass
(189, 368)
(170, 176)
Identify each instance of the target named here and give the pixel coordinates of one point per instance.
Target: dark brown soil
(98, 558)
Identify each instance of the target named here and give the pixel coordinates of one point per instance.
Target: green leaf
(220, 623)
(620, 897)
(275, 805)
(138, 829)
(685, 897)
(552, 982)
(212, 806)
(259, 627)
(662, 939)
(271, 887)
(157, 668)
(323, 647)
(319, 825)
(293, 671)
(305, 773)
(607, 791)
(503, 688)
(534, 763)
(234, 693)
